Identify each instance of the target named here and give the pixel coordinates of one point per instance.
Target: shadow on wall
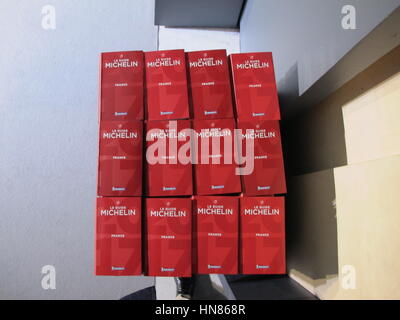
(310, 212)
(311, 225)
(288, 89)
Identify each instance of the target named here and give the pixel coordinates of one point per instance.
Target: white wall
(195, 39)
(48, 141)
(306, 37)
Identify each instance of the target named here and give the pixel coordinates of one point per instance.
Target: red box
(167, 175)
(215, 140)
(210, 86)
(118, 237)
(120, 158)
(169, 237)
(268, 175)
(254, 86)
(262, 235)
(216, 228)
(121, 86)
(166, 85)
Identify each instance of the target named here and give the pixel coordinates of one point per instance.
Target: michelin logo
(167, 269)
(168, 188)
(261, 267)
(117, 268)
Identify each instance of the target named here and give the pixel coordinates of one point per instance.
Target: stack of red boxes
(119, 185)
(262, 228)
(211, 166)
(216, 205)
(168, 183)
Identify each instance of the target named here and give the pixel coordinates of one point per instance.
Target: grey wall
(48, 141)
(306, 37)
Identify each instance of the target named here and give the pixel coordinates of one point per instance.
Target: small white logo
(167, 269)
(117, 268)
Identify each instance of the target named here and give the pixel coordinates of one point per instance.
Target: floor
(242, 287)
(267, 288)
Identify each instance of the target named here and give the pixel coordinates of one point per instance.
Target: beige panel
(371, 122)
(368, 223)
